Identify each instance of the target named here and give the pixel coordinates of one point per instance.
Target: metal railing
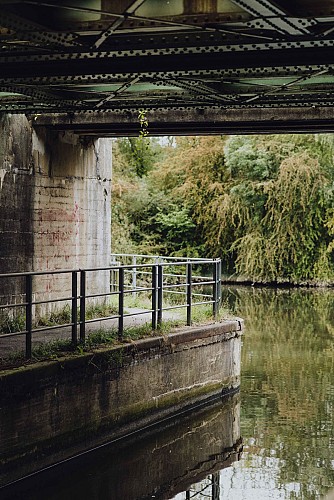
(186, 283)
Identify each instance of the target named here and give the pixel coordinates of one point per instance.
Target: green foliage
(100, 311)
(288, 242)
(59, 317)
(264, 204)
(147, 217)
(140, 153)
(12, 323)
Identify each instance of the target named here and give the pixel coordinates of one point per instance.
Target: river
(287, 394)
(284, 414)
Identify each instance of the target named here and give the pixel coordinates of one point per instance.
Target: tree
(264, 204)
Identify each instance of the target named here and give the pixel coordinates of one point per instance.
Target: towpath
(11, 345)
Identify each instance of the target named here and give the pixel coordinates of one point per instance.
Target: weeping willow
(290, 242)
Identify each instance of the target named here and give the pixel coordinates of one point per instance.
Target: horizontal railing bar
(53, 327)
(201, 295)
(206, 279)
(105, 318)
(176, 261)
(139, 273)
(185, 305)
(174, 307)
(177, 285)
(123, 266)
(204, 302)
(169, 275)
(190, 259)
(38, 302)
(193, 283)
(94, 295)
(23, 304)
(13, 334)
(107, 268)
(203, 283)
(129, 290)
(141, 266)
(138, 290)
(147, 311)
(117, 293)
(193, 294)
(37, 273)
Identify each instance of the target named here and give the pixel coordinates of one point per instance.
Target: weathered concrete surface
(16, 202)
(158, 463)
(195, 121)
(66, 406)
(54, 204)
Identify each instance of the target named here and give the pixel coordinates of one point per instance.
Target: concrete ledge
(67, 406)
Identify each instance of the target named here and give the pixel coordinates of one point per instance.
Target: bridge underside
(194, 122)
(194, 66)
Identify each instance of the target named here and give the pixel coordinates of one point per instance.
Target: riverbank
(244, 281)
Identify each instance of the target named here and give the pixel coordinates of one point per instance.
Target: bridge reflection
(161, 463)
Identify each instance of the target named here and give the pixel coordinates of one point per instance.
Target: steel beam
(194, 121)
(26, 30)
(118, 22)
(268, 15)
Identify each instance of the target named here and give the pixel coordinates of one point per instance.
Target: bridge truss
(210, 64)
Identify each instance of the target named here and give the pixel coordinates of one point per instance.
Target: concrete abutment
(54, 202)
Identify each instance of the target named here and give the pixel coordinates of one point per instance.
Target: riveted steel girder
(119, 57)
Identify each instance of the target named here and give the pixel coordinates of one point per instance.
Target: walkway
(11, 345)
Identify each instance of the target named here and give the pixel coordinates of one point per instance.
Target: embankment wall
(54, 410)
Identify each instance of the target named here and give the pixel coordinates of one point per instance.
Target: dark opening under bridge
(194, 66)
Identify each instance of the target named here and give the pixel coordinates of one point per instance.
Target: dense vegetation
(264, 204)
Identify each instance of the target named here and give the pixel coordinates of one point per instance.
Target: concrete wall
(16, 202)
(55, 209)
(66, 406)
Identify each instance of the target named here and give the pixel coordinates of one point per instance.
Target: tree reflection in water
(287, 394)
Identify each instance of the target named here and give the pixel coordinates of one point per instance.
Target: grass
(57, 349)
(63, 316)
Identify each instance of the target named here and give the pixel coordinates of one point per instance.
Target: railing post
(112, 277)
(189, 292)
(82, 306)
(28, 315)
(154, 297)
(219, 283)
(74, 312)
(134, 276)
(215, 479)
(121, 303)
(160, 292)
(215, 290)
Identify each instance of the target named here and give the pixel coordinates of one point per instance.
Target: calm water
(287, 395)
(286, 420)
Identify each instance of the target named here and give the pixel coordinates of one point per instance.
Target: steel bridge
(193, 66)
